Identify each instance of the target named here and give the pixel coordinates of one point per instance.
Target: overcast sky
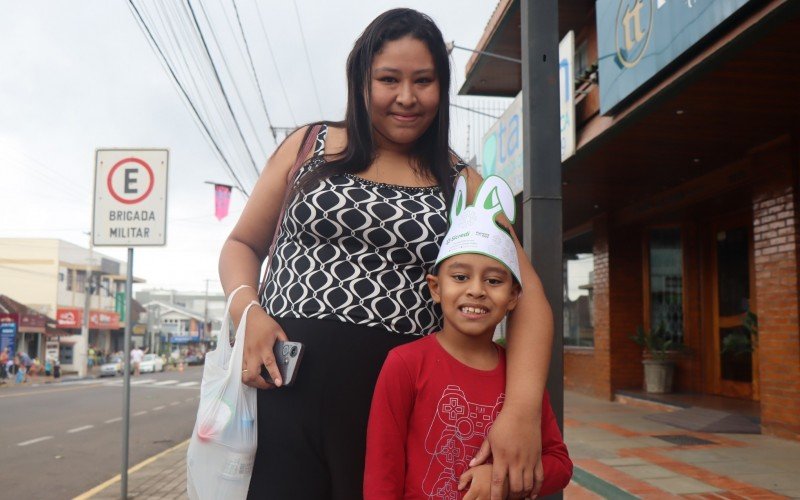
(80, 75)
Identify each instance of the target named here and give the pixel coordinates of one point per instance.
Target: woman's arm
(244, 251)
(515, 438)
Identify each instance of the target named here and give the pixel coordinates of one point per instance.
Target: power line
(233, 82)
(308, 58)
(221, 88)
(186, 95)
(274, 62)
(255, 75)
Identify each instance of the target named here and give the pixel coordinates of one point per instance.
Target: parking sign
(130, 197)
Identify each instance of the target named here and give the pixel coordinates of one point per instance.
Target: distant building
(181, 317)
(50, 276)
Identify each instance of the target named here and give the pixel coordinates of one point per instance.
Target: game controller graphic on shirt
(455, 436)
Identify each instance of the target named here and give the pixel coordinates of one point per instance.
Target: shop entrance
(733, 352)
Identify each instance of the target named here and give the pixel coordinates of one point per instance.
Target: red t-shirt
(430, 414)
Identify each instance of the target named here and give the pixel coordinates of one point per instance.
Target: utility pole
(542, 203)
(82, 354)
(205, 311)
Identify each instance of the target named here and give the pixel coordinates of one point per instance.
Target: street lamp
(452, 45)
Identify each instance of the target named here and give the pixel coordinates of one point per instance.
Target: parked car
(151, 364)
(111, 368)
(194, 359)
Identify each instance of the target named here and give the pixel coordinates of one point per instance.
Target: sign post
(130, 209)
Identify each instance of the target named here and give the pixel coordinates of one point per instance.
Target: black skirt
(312, 435)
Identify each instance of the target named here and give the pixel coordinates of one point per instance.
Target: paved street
(58, 440)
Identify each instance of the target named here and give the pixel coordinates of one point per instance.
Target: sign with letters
(130, 197)
(638, 38)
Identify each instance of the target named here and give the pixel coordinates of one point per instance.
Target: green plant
(738, 342)
(656, 343)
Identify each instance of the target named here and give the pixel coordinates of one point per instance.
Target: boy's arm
(385, 472)
(556, 463)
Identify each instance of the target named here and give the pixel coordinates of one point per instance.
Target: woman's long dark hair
(431, 151)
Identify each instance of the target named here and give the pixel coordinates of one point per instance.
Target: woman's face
(404, 90)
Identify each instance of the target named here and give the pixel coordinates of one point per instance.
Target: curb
(100, 487)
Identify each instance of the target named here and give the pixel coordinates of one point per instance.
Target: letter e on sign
(130, 197)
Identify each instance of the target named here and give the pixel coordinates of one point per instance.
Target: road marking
(111, 421)
(139, 413)
(157, 408)
(79, 429)
(143, 381)
(189, 400)
(165, 382)
(37, 440)
(100, 487)
(175, 403)
(187, 384)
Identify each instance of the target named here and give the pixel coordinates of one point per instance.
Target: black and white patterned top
(357, 251)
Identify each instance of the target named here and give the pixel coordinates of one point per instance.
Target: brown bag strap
(311, 138)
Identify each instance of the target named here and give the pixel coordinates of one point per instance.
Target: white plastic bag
(223, 445)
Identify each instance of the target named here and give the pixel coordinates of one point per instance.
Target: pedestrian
(436, 397)
(91, 355)
(25, 364)
(137, 354)
(20, 376)
(3, 368)
(364, 217)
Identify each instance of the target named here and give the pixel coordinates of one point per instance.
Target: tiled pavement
(617, 453)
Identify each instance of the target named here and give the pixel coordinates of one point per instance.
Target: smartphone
(287, 355)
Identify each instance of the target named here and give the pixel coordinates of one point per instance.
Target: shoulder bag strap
(305, 149)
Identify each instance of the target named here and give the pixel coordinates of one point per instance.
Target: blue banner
(8, 335)
(638, 38)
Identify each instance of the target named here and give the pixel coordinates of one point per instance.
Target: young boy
(436, 398)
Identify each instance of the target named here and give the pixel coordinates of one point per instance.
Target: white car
(111, 368)
(151, 364)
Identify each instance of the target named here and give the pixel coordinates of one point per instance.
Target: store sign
(8, 333)
(51, 350)
(104, 320)
(184, 339)
(502, 144)
(566, 94)
(32, 321)
(72, 317)
(638, 38)
(69, 317)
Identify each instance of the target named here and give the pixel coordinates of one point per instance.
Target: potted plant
(739, 342)
(659, 367)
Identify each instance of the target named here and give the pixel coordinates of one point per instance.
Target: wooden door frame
(711, 322)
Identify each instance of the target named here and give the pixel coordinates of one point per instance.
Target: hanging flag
(222, 198)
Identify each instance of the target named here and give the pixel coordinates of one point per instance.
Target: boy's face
(475, 292)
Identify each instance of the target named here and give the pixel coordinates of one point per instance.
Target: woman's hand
(261, 335)
(516, 448)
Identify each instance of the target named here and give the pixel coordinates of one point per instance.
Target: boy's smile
(475, 293)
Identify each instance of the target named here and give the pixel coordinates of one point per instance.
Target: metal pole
(83, 368)
(126, 393)
(542, 171)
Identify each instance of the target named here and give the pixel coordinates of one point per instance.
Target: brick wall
(775, 226)
(587, 370)
(615, 361)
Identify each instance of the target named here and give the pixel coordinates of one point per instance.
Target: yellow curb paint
(97, 489)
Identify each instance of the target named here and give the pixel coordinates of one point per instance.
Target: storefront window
(578, 291)
(666, 281)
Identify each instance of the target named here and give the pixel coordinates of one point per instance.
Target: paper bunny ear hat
(473, 229)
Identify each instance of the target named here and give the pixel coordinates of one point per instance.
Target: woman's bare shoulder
(336, 141)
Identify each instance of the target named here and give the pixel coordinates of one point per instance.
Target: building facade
(680, 200)
(53, 277)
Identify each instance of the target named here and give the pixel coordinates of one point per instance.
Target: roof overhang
(490, 76)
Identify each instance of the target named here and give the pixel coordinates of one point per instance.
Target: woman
(364, 220)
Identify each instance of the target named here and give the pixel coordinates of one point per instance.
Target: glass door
(734, 349)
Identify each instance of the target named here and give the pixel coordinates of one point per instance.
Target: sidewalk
(618, 454)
